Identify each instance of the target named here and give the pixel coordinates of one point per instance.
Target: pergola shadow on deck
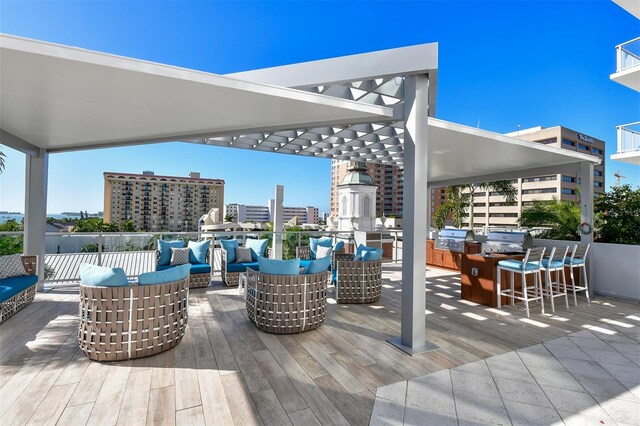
(226, 371)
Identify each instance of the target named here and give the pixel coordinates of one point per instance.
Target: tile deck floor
(588, 377)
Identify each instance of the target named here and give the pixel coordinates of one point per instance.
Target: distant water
(18, 217)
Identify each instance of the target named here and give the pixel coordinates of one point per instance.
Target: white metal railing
(629, 137)
(628, 54)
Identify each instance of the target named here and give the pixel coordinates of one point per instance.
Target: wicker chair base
(17, 302)
(358, 282)
(119, 323)
(200, 280)
(231, 278)
(286, 304)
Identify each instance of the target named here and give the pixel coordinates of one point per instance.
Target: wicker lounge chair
(119, 323)
(198, 279)
(20, 300)
(286, 304)
(357, 281)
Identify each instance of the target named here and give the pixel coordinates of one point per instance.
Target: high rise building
(248, 213)
(491, 209)
(160, 203)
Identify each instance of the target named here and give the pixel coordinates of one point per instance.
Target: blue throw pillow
(319, 265)
(230, 247)
(257, 247)
(95, 275)
(164, 247)
(322, 241)
(198, 251)
(338, 246)
(375, 254)
(360, 251)
(279, 267)
(170, 275)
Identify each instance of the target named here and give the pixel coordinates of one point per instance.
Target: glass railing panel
(629, 138)
(628, 54)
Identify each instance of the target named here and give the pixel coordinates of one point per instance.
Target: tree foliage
(95, 224)
(617, 216)
(561, 217)
(2, 157)
(11, 244)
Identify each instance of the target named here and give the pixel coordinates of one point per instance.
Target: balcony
(628, 143)
(628, 64)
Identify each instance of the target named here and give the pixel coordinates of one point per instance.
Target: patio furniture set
(535, 264)
(124, 319)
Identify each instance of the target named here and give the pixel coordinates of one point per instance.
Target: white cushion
(11, 266)
(179, 256)
(323, 251)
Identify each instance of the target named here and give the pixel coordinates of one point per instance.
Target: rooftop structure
(250, 213)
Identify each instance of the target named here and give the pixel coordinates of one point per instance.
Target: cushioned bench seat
(9, 287)
(195, 268)
(242, 267)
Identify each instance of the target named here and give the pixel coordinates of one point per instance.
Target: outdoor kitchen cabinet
(447, 258)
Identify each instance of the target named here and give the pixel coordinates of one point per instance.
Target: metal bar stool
(578, 260)
(555, 263)
(530, 265)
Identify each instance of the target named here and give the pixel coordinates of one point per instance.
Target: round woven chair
(119, 323)
(357, 281)
(286, 304)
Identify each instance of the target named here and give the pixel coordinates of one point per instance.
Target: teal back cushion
(198, 251)
(322, 241)
(164, 247)
(375, 254)
(95, 275)
(257, 247)
(318, 265)
(230, 247)
(279, 267)
(176, 273)
(339, 246)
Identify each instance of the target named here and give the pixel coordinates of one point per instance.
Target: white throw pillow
(322, 251)
(179, 256)
(243, 255)
(11, 266)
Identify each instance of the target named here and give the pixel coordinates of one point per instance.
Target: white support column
(35, 212)
(277, 223)
(415, 218)
(585, 173)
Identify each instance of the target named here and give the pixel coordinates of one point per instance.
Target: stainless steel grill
(454, 239)
(507, 242)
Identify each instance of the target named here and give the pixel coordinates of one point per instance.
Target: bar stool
(578, 260)
(530, 265)
(555, 263)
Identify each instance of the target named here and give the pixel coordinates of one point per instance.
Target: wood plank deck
(225, 371)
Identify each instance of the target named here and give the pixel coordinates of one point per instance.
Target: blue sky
(501, 64)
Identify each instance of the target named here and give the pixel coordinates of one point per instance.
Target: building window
(598, 184)
(568, 142)
(583, 147)
(568, 191)
(503, 215)
(539, 191)
(548, 141)
(596, 151)
(566, 178)
(540, 179)
(597, 172)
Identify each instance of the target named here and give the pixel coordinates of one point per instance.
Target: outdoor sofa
(198, 255)
(122, 320)
(18, 283)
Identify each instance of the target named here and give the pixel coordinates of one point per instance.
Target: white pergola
(378, 107)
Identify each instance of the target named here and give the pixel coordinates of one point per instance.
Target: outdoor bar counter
(478, 278)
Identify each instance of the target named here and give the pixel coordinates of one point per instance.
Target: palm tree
(561, 217)
(2, 157)
(461, 197)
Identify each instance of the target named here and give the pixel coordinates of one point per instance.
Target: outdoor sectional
(18, 292)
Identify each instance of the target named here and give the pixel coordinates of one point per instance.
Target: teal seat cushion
(9, 287)
(315, 242)
(318, 265)
(241, 267)
(164, 247)
(257, 247)
(198, 251)
(230, 247)
(375, 254)
(338, 246)
(279, 267)
(517, 264)
(554, 264)
(200, 268)
(168, 275)
(94, 275)
(576, 261)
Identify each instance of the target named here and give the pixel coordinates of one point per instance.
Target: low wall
(614, 268)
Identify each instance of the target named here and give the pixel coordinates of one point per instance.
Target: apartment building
(247, 213)
(491, 209)
(160, 203)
